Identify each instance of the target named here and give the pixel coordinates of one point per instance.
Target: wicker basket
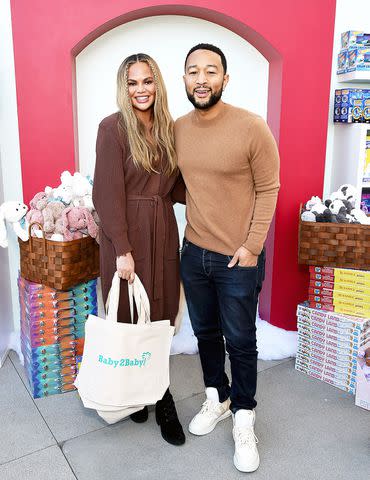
(341, 245)
(59, 265)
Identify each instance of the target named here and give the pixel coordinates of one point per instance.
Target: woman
(135, 176)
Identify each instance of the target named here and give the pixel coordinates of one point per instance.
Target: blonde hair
(143, 152)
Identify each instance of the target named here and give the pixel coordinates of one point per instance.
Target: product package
(329, 343)
(358, 59)
(363, 377)
(354, 38)
(52, 333)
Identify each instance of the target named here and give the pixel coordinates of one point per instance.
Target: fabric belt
(159, 237)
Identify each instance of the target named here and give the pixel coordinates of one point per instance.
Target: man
(230, 165)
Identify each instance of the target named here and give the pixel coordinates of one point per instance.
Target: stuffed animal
(360, 216)
(322, 213)
(312, 202)
(51, 213)
(64, 192)
(338, 211)
(37, 204)
(13, 212)
(308, 216)
(82, 190)
(78, 221)
(345, 192)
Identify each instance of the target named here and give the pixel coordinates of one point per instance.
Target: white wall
(350, 15)
(167, 39)
(10, 177)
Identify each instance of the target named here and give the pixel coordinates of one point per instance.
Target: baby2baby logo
(126, 362)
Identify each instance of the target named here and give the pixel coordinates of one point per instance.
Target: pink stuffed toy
(78, 221)
(51, 213)
(37, 204)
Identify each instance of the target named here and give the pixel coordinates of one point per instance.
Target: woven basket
(341, 245)
(59, 265)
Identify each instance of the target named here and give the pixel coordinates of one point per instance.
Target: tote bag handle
(136, 291)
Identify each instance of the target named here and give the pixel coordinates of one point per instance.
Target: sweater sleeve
(265, 163)
(178, 192)
(109, 195)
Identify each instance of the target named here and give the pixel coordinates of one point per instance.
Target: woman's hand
(126, 267)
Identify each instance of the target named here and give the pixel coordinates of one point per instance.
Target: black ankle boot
(141, 416)
(166, 417)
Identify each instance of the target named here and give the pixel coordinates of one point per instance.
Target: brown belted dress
(136, 214)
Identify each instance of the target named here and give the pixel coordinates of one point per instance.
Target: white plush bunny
(14, 213)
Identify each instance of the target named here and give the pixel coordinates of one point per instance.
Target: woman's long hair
(144, 153)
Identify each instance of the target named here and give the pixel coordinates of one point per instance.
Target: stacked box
(52, 333)
(355, 52)
(340, 290)
(328, 344)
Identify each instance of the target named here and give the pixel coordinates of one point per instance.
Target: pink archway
(48, 36)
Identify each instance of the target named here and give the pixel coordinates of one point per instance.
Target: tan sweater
(230, 166)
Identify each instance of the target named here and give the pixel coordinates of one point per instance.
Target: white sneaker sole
(251, 468)
(212, 426)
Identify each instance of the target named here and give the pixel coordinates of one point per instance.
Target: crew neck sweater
(230, 166)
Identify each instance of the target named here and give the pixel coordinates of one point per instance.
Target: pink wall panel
(48, 35)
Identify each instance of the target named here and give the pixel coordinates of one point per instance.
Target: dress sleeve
(178, 193)
(109, 196)
(265, 165)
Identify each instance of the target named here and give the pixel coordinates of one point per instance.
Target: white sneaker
(246, 458)
(211, 413)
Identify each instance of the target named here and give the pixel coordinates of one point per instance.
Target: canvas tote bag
(125, 366)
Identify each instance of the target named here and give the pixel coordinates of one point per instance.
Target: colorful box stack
(340, 290)
(352, 105)
(355, 52)
(328, 344)
(53, 332)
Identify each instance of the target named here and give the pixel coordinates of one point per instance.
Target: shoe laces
(245, 436)
(208, 407)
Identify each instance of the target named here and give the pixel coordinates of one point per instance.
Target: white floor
(307, 430)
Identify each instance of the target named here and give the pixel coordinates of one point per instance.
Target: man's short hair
(211, 48)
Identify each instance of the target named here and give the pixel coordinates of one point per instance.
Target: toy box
(358, 59)
(342, 62)
(351, 105)
(352, 38)
(363, 377)
(337, 105)
(366, 113)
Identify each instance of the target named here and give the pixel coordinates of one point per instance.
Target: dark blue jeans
(222, 302)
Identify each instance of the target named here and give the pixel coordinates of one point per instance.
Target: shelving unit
(349, 156)
(362, 76)
(349, 142)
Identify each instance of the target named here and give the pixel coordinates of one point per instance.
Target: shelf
(358, 76)
(365, 184)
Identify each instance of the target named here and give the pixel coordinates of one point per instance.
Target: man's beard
(214, 98)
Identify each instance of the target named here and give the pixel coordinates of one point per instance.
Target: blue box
(342, 62)
(349, 38)
(358, 59)
(351, 105)
(366, 107)
(337, 105)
